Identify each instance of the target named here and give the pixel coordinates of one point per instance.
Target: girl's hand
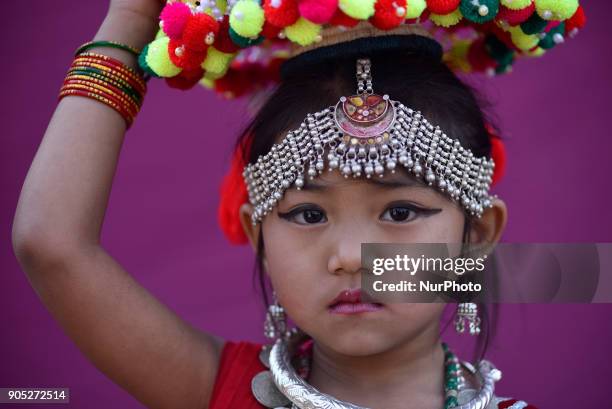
(147, 9)
(133, 22)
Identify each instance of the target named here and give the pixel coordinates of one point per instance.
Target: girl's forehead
(334, 179)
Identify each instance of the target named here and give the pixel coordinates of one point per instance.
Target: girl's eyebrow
(314, 185)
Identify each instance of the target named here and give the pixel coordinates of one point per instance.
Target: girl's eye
(402, 213)
(304, 215)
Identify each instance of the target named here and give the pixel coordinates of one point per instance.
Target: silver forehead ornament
(367, 133)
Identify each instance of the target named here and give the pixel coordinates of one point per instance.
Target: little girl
(366, 139)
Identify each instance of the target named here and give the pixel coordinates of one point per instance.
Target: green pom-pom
(498, 50)
(534, 24)
(358, 9)
(216, 62)
(157, 59)
(516, 4)
(553, 37)
(244, 42)
(446, 20)
(479, 12)
(247, 18)
(414, 8)
(303, 32)
(556, 9)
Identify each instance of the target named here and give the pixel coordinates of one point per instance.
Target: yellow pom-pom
(303, 32)
(414, 8)
(358, 9)
(522, 41)
(247, 18)
(213, 76)
(158, 60)
(516, 4)
(556, 9)
(456, 57)
(216, 61)
(446, 20)
(207, 83)
(160, 34)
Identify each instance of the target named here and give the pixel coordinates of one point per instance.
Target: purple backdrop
(161, 223)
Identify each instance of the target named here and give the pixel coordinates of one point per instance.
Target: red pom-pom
(515, 17)
(270, 31)
(442, 6)
(498, 154)
(341, 19)
(388, 14)
(233, 84)
(478, 57)
(198, 27)
(186, 79)
(174, 18)
(318, 11)
(233, 193)
(281, 13)
(223, 41)
(575, 22)
(184, 57)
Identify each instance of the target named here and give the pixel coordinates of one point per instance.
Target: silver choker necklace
(282, 387)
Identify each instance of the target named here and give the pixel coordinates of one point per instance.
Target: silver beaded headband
(364, 133)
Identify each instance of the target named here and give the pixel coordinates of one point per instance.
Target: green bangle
(111, 44)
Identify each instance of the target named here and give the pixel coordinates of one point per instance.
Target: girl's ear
(489, 227)
(252, 232)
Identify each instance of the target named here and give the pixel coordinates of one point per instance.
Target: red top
(240, 362)
(238, 365)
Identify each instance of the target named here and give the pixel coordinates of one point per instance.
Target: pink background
(161, 222)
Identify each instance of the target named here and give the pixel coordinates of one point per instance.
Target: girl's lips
(350, 302)
(354, 308)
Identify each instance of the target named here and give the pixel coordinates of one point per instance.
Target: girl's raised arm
(135, 340)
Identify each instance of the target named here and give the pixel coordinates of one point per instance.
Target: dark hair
(418, 80)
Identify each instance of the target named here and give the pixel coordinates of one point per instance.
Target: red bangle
(68, 92)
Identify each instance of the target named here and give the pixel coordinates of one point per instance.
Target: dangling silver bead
(467, 313)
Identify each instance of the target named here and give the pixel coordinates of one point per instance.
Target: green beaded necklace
(453, 378)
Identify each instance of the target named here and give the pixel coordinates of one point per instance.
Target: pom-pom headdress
(239, 47)
(206, 41)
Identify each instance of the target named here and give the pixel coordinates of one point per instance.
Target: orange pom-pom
(233, 193)
(442, 6)
(281, 13)
(388, 14)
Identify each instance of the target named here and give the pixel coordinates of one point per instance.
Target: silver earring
(275, 324)
(467, 313)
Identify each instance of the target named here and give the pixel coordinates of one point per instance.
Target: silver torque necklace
(282, 386)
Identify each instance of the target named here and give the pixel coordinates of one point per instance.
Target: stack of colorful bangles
(106, 79)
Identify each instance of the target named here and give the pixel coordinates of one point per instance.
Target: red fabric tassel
(233, 194)
(498, 153)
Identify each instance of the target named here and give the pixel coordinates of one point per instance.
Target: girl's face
(313, 252)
